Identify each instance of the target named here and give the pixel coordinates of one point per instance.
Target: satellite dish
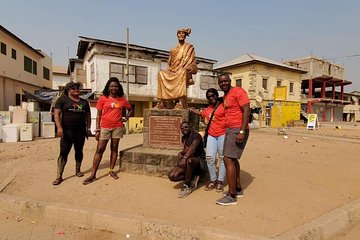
(354, 99)
(258, 99)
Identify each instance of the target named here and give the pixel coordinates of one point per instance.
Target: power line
(349, 56)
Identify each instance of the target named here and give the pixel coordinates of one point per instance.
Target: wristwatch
(242, 132)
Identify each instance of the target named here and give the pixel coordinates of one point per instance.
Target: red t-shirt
(112, 111)
(233, 100)
(217, 126)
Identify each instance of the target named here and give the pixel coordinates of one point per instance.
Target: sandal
(210, 186)
(57, 181)
(79, 174)
(113, 175)
(219, 186)
(89, 180)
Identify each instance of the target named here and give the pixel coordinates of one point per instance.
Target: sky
(221, 30)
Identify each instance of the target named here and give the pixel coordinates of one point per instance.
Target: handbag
(208, 125)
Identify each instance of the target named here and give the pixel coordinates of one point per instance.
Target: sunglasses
(74, 87)
(184, 127)
(210, 95)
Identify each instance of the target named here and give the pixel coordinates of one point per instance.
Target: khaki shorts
(231, 148)
(108, 133)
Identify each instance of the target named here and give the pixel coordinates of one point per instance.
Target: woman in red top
(109, 125)
(215, 139)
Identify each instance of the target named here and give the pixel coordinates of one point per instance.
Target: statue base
(161, 142)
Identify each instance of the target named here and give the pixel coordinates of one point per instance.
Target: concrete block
(151, 159)
(168, 160)
(216, 234)
(66, 214)
(135, 168)
(164, 231)
(162, 171)
(332, 223)
(116, 223)
(354, 211)
(126, 156)
(149, 170)
(12, 204)
(138, 157)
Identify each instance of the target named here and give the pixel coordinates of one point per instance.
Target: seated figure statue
(173, 82)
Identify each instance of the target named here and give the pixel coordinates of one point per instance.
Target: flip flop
(113, 175)
(57, 181)
(89, 180)
(80, 174)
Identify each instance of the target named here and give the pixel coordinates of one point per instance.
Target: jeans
(215, 145)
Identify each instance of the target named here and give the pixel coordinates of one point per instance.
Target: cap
(71, 84)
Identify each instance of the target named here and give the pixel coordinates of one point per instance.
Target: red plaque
(164, 131)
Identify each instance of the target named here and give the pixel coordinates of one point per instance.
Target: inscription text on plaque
(164, 131)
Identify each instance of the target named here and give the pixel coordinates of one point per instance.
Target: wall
(13, 77)
(253, 74)
(317, 67)
(14, 69)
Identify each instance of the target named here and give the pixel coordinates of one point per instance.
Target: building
(77, 72)
(351, 112)
(60, 77)
(98, 60)
(22, 67)
(272, 86)
(322, 76)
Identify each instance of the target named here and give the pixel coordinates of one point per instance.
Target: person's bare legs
(114, 146)
(176, 174)
(100, 149)
(193, 164)
(237, 167)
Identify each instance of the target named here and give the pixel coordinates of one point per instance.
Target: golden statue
(173, 82)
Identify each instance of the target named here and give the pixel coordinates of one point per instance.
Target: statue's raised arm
(173, 82)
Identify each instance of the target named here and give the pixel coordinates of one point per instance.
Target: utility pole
(127, 75)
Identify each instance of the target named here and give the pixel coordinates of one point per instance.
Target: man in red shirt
(237, 111)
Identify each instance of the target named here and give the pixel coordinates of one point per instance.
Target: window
(46, 73)
(20, 98)
(3, 48)
(291, 88)
(141, 74)
(238, 82)
(34, 68)
(27, 64)
(207, 81)
(30, 65)
(163, 65)
(117, 70)
(92, 73)
(137, 74)
(13, 53)
(278, 83)
(265, 83)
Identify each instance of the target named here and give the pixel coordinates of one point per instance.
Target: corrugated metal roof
(249, 58)
(86, 41)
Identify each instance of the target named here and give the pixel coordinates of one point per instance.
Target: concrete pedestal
(161, 144)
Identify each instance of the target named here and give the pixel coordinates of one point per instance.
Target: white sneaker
(185, 191)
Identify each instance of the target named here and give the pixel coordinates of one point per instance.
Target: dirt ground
(287, 181)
